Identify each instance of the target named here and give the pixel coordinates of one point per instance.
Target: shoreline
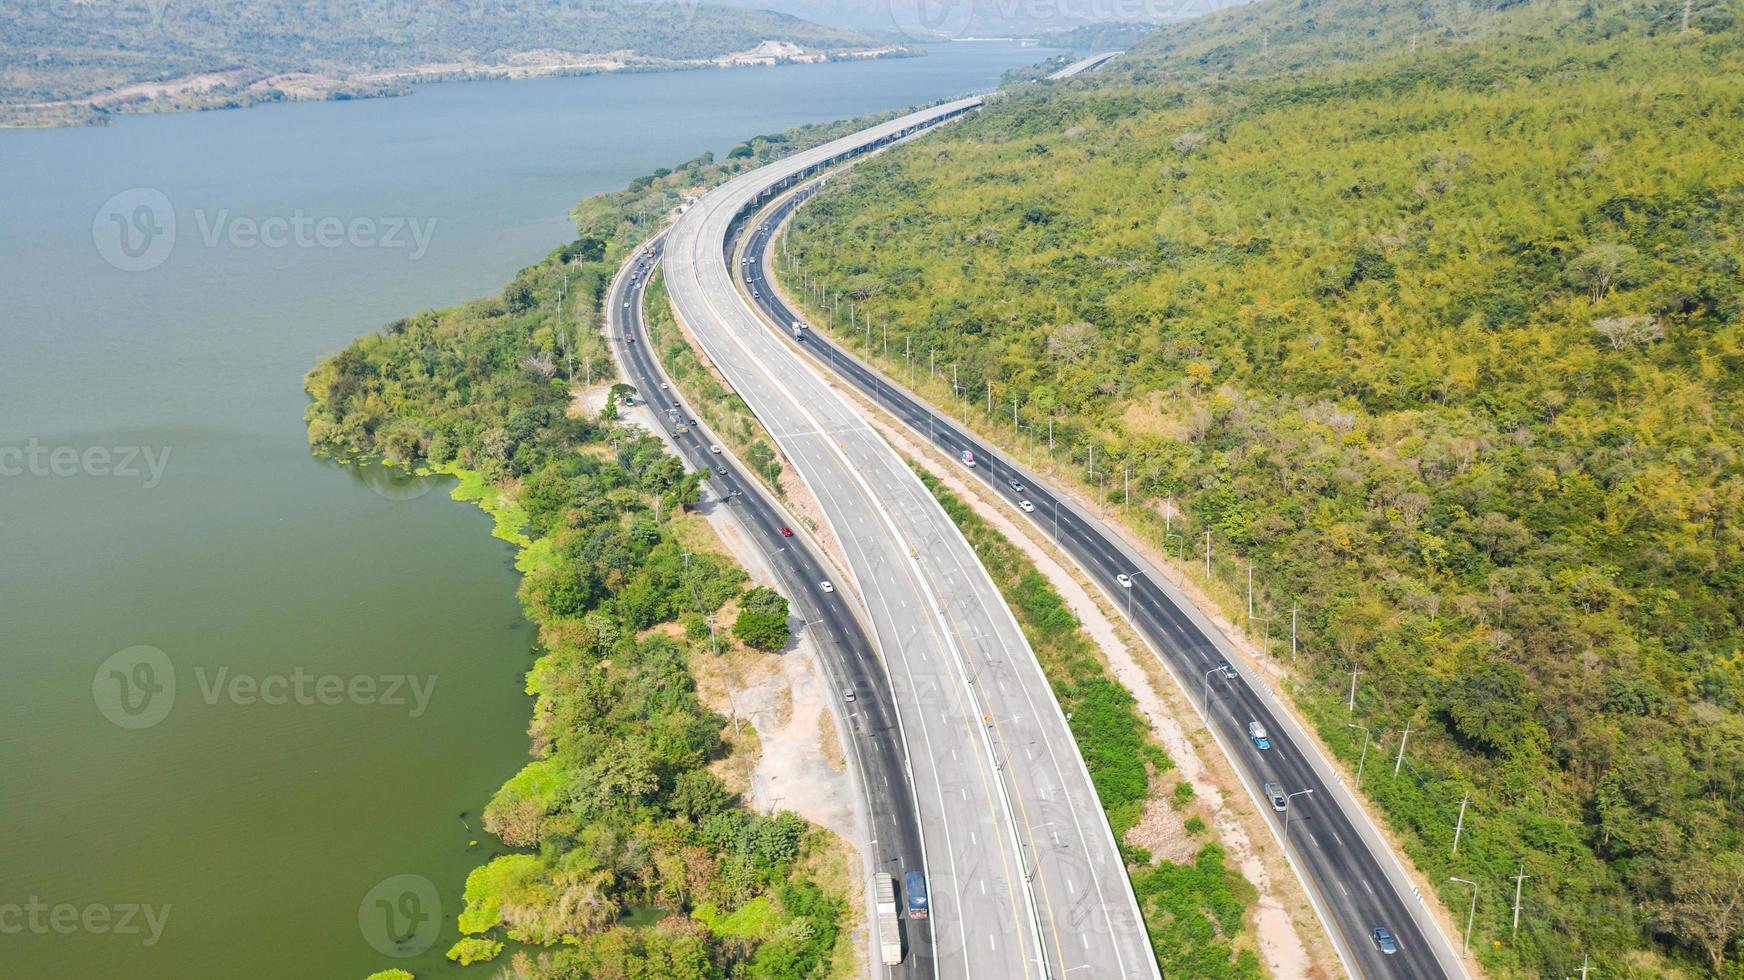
(241, 88)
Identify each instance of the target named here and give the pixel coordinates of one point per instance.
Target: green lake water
(346, 650)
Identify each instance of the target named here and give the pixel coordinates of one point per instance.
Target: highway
(874, 751)
(1025, 877)
(1355, 880)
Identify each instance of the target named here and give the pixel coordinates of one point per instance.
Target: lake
(253, 701)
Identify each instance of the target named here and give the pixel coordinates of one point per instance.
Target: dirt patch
(830, 743)
(589, 402)
(1162, 830)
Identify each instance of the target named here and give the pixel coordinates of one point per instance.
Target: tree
(1603, 267)
(1707, 905)
(762, 619)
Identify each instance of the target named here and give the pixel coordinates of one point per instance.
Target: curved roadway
(873, 746)
(1026, 880)
(1354, 878)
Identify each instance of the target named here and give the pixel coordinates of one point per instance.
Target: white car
(715, 449)
(1026, 506)
(663, 386)
(826, 586)
(1124, 579)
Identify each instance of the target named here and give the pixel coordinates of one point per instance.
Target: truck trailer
(889, 932)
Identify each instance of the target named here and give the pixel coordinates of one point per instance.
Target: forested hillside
(218, 53)
(1433, 313)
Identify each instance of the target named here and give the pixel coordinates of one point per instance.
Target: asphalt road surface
(874, 747)
(1354, 879)
(1025, 877)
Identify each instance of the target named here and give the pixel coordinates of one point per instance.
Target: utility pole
(1584, 966)
(1349, 707)
(1208, 554)
(1250, 590)
(1459, 826)
(908, 355)
(1126, 491)
(1518, 880)
(989, 401)
(1293, 650)
(1401, 760)
(1168, 514)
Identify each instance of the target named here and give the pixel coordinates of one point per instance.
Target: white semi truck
(889, 932)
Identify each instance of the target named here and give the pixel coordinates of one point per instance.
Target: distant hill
(1433, 312)
(924, 20)
(73, 60)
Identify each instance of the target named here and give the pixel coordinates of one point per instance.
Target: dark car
(1384, 940)
(917, 894)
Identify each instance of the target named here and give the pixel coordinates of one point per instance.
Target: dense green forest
(1433, 313)
(619, 811)
(268, 50)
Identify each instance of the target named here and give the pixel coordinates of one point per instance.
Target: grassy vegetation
(1435, 316)
(1194, 913)
(725, 412)
(270, 50)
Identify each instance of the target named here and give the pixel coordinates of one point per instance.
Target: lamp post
(1287, 811)
(1132, 584)
(1471, 914)
(1365, 752)
(1205, 695)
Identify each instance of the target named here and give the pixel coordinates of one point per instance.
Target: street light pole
(1205, 694)
(1365, 752)
(1287, 809)
(1470, 915)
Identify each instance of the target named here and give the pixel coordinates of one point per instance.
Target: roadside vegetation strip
(1450, 358)
(725, 412)
(1196, 912)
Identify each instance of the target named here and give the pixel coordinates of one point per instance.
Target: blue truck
(917, 894)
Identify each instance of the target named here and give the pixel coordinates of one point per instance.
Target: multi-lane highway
(874, 747)
(1025, 876)
(1357, 883)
